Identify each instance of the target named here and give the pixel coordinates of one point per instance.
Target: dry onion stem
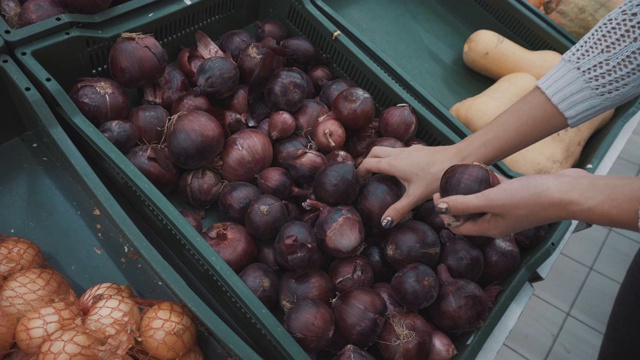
(400, 326)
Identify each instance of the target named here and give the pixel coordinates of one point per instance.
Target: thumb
(398, 211)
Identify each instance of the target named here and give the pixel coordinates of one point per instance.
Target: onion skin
(122, 134)
(115, 318)
(374, 197)
(168, 330)
(8, 324)
(100, 100)
(137, 60)
(263, 282)
(295, 245)
(501, 259)
(154, 163)
(34, 11)
(265, 217)
(195, 138)
(17, 254)
(200, 188)
(336, 184)
(354, 107)
(467, 179)
(311, 323)
(10, 9)
(412, 241)
(100, 291)
(245, 154)
(463, 258)
(286, 90)
(312, 283)
(415, 286)
(462, 305)
(359, 314)
(398, 122)
(233, 243)
(74, 339)
(235, 198)
(351, 272)
(404, 336)
(217, 77)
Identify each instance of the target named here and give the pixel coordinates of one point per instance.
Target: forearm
(603, 200)
(530, 119)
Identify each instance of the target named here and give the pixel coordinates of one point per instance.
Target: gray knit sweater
(601, 71)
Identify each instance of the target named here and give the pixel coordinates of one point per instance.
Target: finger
(369, 166)
(461, 204)
(381, 152)
(399, 211)
(475, 227)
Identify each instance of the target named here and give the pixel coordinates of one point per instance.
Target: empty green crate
(57, 62)
(51, 196)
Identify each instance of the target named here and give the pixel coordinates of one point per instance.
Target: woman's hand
(419, 168)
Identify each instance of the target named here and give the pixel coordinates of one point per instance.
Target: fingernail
(387, 223)
(442, 208)
(452, 221)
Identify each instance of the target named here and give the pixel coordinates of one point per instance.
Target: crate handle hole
(7, 32)
(5, 61)
(47, 79)
(28, 88)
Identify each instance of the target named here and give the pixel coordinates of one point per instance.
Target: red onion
(200, 187)
(385, 290)
(194, 139)
(382, 270)
(232, 122)
(303, 164)
(333, 88)
(100, 100)
(234, 41)
(340, 156)
(308, 114)
(351, 272)
(304, 284)
(263, 282)
(286, 90)
(427, 214)
(265, 217)
(271, 28)
(339, 229)
(442, 348)
(412, 241)
(354, 107)
(310, 323)
(299, 52)
(463, 258)
(359, 314)
(328, 133)
(352, 352)
(278, 182)
(336, 184)
(34, 11)
(192, 101)
(192, 218)
(189, 59)
(398, 122)
(87, 6)
(266, 255)
(374, 198)
(281, 125)
(461, 305)
(295, 245)
(501, 260)
(233, 243)
(532, 237)
(415, 286)
(154, 163)
(245, 154)
(404, 336)
(467, 179)
(235, 198)
(217, 77)
(239, 102)
(170, 86)
(320, 75)
(122, 134)
(136, 60)
(249, 60)
(357, 143)
(151, 122)
(10, 10)
(492, 291)
(289, 146)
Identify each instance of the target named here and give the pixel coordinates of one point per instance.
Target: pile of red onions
(258, 128)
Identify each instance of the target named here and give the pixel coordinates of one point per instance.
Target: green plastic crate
(420, 44)
(51, 196)
(16, 37)
(55, 63)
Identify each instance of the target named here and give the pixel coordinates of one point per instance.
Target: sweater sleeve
(601, 71)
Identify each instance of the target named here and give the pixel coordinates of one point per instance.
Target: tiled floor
(567, 315)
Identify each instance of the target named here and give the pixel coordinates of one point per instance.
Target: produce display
(43, 318)
(577, 17)
(260, 141)
(516, 71)
(21, 13)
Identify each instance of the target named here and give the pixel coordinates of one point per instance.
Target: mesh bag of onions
(42, 318)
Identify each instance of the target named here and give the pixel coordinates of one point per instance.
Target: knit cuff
(573, 96)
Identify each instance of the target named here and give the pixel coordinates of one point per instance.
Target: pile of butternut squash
(516, 71)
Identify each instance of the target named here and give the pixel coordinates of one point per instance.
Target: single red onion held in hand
(136, 60)
(233, 243)
(374, 198)
(467, 179)
(100, 99)
(360, 315)
(412, 241)
(462, 304)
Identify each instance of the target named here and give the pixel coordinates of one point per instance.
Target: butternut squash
(495, 56)
(552, 154)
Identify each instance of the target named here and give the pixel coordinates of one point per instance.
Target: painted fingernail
(442, 208)
(387, 223)
(452, 221)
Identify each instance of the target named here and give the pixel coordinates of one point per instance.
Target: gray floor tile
(631, 150)
(616, 255)
(563, 284)
(624, 167)
(536, 329)
(594, 302)
(576, 341)
(585, 245)
(507, 353)
(633, 235)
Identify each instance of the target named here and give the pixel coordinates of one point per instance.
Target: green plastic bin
(57, 62)
(16, 37)
(51, 196)
(420, 44)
